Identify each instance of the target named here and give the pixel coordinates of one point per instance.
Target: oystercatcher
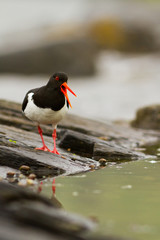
(48, 104)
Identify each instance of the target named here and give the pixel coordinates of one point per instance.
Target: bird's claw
(55, 151)
(44, 148)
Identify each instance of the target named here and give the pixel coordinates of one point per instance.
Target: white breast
(43, 115)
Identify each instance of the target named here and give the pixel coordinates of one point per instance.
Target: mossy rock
(108, 34)
(112, 34)
(147, 117)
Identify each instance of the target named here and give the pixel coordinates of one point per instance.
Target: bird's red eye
(57, 78)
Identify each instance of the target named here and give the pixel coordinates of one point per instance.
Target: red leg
(54, 135)
(44, 148)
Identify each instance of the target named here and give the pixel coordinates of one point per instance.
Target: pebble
(102, 161)
(32, 176)
(92, 167)
(10, 174)
(24, 167)
(30, 182)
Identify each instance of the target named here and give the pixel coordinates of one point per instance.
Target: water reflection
(53, 198)
(123, 198)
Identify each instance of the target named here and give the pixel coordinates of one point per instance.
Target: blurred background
(109, 48)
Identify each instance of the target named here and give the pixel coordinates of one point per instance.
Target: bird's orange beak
(64, 87)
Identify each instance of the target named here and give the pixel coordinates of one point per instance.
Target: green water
(125, 199)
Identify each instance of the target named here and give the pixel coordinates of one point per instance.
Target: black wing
(25, 101)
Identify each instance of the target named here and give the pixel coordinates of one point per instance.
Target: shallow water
(124, 198)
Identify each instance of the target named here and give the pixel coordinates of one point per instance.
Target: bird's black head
(59, 81)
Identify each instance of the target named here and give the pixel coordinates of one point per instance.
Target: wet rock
(147, 118)
(79, 143)
(112, 152)
(87, 141)
(96, 148)
(40, 163)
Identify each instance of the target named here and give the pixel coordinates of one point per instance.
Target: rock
(40, 163)
(74, 56)
(96, 148)
(87, 140)
(122, 36)
(147, 118)
(79, 143)
(102, 161)
(24, 168)
(32, 176)
(10, 174)
(30, 216)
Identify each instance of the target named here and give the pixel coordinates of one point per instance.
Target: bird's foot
(55, 151)
(44, 148)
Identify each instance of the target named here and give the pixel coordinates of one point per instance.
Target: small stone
(24, 167)
(92, 167)
(30, 182)
(102, 161)
(10, 174)
(32, 176)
